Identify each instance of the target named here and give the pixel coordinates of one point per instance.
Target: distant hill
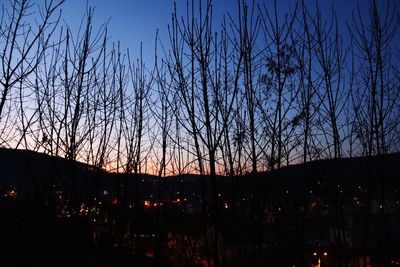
(354, 170)
(373, 172)
(30, 169)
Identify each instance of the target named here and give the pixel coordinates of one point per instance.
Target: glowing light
(226, 205)
(325, 253)
(83, 210)
(315, 253)
(11, 194)
(147, 203)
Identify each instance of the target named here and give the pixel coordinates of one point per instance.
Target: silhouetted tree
(23, 48)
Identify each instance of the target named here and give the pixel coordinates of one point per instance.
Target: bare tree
(24, 46)
(280, 89)
(374, 98)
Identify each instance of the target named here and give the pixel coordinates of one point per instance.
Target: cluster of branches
(67, 95)
(260, 90)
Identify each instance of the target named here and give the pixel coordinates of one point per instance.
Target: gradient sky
(135, 21)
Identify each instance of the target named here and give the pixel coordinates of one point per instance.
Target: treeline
(255, 92)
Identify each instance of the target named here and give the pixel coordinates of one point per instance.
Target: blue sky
(135, 21)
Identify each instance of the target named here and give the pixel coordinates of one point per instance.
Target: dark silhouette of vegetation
(190, 161)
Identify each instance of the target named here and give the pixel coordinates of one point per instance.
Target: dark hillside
(23, 168)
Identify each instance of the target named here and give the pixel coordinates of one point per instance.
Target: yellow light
(315, 253)
(226, 205)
